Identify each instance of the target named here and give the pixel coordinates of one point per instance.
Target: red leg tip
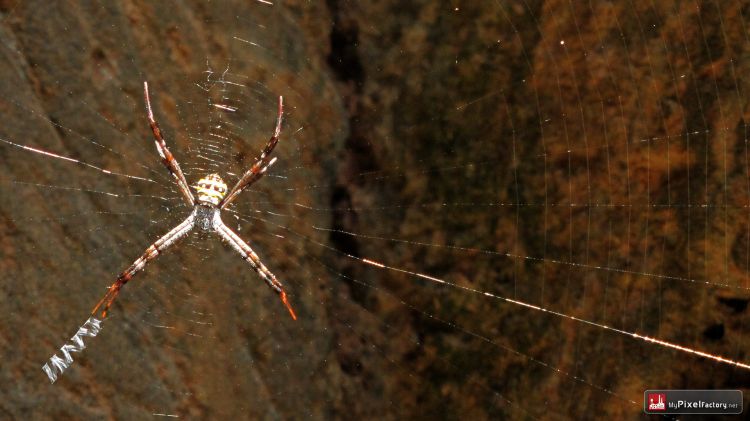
(286, 303)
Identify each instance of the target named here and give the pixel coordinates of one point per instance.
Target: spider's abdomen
(211, 189)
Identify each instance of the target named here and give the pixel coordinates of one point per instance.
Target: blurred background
(446, 171)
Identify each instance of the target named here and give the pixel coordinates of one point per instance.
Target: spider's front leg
(251, 257)
(261, 164)
(151, 253)
(167, 158)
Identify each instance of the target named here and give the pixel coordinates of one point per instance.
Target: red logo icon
(657, 402)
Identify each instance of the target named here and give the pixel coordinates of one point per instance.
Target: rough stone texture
(517, 147)
(71, 81)
(564, 138)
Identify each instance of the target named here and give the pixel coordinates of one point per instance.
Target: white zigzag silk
(56, 365)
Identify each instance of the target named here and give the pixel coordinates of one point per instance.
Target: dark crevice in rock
(344, 58)
(357, 155)
(738, 305)
(714, 332)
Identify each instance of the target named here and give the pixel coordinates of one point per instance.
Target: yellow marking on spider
(211, 189)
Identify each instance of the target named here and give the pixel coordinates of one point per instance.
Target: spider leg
(166, 157)
(251, 257)
(151, 253)
(261, 164)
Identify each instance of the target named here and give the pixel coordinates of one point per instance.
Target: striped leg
(249, 255)
(151, 253)
(166, 157)
(259, 168)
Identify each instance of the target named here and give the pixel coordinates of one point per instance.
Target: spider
(212, 197)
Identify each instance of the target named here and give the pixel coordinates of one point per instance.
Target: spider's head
(211, 189)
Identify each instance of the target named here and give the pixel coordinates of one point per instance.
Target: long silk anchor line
(56, 365)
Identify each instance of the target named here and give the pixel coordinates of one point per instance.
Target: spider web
(487, 210)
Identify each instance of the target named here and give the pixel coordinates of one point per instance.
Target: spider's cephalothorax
(207, 218)
(211, 189)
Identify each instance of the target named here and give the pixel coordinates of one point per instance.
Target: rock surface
(587, 158)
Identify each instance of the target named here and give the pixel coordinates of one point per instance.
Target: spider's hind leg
(252, 258)
(108, 298)
(151, 253)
